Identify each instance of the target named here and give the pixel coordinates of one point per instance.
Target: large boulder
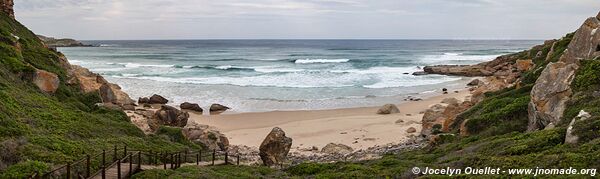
(388, 109)
(157, 99)
(571, 138)
(442, 116)
(143, 100)
(206, 136)
(550, 94)
(434, 115)
(46, 81)
(475, 82)
(553, 88)
(191, 106)
(169, 116)
(91, 82)
(274, 149)
(218, 108)
(332, 148)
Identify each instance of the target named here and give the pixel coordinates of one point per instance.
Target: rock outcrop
(388, 109)
(6, 6)
(440, 117)
(275, 148)
(553, 88)
(206, 136)
(46, 81)
(91, 82)
(157, 99)
(191, 106)
(170, 116)
(501, 66)
(332, 148)
(571, 138)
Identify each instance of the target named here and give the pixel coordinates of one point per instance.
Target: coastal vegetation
(40, 130)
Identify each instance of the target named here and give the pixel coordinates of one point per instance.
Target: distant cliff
(6, 6)
(53, 42)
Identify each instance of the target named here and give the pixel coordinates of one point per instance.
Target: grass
(38, 130)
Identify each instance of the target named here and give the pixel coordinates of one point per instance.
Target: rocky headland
(64, 42)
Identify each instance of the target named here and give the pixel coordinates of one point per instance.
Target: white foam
(306, 61)
(453, 54)
(409, 80)
(277, 70)
(455, 58)
(137, 65)
(380, 70)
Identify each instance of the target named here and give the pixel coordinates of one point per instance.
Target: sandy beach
(359, 128)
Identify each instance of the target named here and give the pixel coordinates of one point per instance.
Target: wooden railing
(98, 164)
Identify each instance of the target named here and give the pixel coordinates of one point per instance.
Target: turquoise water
(266, 75)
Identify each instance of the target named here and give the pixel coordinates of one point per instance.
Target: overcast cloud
(300, 19)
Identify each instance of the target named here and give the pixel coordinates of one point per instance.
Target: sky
(304, 19)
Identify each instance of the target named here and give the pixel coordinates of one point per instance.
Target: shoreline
(359, 128)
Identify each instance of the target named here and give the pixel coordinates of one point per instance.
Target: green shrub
(587, 130)
(588, 76)
(24, 169)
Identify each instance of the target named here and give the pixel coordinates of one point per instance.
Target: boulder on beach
(143, 100)
(411, 130)
(206, 136)
(275, 148)
(191, 106)
(388, 109)
(169, 116)
(475, 82)
(218, 108)
(157, 99)
(332, 148)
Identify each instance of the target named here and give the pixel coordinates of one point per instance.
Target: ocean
(269, 75)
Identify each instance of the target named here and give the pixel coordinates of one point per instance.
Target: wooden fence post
(87, 166)
(119, 169)
(171, 161)
(213, 156)
(238, 159)
(200, 155)
(124, 151)
(164, 159)
(103, 164)
(69, 170)
(130, 164)
(179, 160)
(226, 162)
(197, 158)
(140, 160)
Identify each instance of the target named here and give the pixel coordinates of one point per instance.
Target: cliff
(6, 6)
